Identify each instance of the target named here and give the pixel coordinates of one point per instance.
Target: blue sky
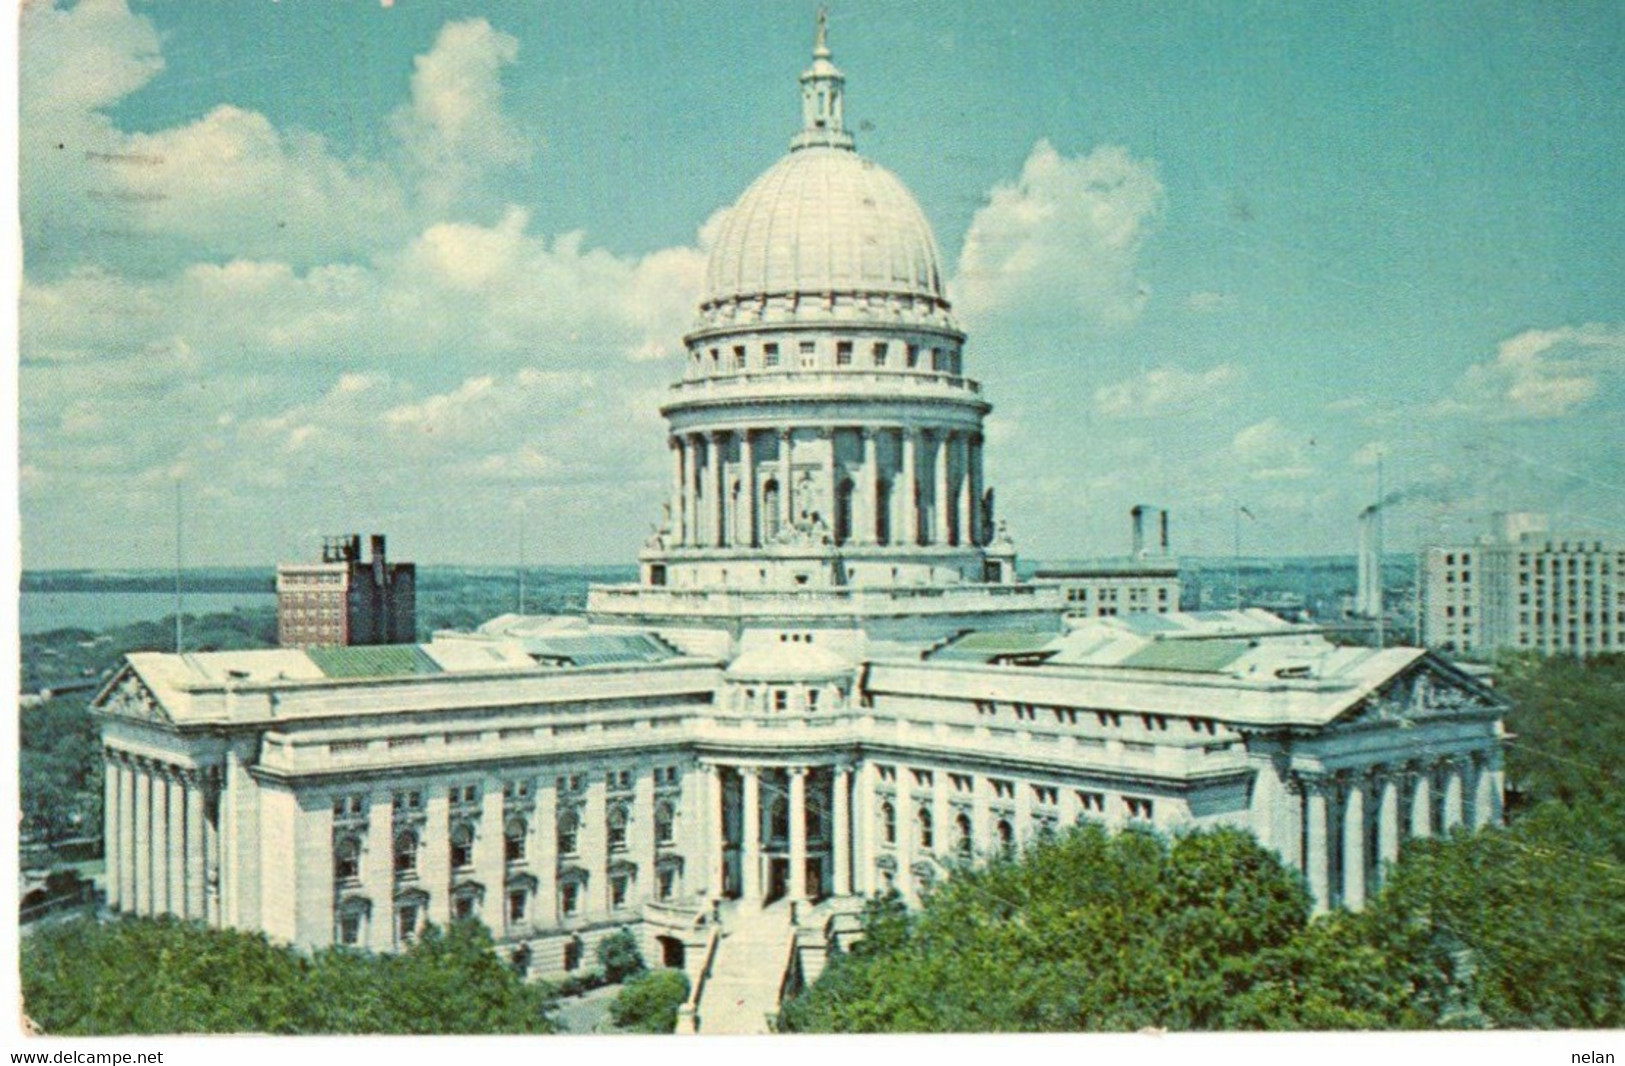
(423, 268)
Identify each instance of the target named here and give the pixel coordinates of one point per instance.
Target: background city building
(345, 599)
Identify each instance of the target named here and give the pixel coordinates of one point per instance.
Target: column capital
(785, 432)
(796, 771)
(868, 433)
(750, 772)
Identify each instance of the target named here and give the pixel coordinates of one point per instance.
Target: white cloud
(1268, 451)
(1541, 374)
(1060, 245)
(1169, 391)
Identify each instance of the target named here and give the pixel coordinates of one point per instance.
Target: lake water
(43, 611)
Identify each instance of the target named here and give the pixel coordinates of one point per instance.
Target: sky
(425, 268)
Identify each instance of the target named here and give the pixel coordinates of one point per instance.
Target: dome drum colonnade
(824, 410)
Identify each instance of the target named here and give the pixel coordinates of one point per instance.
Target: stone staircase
(742, 991)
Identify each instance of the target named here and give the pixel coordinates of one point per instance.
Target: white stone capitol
(828, 681)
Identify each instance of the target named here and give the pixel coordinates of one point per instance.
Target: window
(961, 782)
(347, 859)
(350, 928)
(809, 354)
(406, 922)
(880, 353)
(570, 905)
(517, 790)
(408, 801)
(888, 822)
(913, 356)
(462, 846)
(617, 828)
(462, 908)
(739, 357)
(843, 353)
(962, 835)
(619, 780)
(924, 818)
(1092, 802)
(1046, 794)
(619, 885)
(1007, 836)
(812, 701)
(770, 355)
(1139, 809)
(513, 840)
(665, 824)
(922, 777)
(406, 853)
(569, 828)
(666, 883)
(518, 901)
(349, 806)
(1003, 789)
(781, 700)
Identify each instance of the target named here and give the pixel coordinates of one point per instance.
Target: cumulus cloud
(1168, 391)
(1061, 244)
(1268, 451)
(1542, 374)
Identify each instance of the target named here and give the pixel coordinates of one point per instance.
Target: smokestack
(1138, 515)
(377, 547)
(1164, 514)
(1368, 572)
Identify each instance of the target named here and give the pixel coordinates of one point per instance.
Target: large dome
(823, 220)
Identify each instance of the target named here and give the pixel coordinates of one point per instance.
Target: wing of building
(827, 682)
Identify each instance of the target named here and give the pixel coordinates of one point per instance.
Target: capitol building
(828, 681)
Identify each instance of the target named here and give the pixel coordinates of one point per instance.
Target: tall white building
(1525, 588)
(827, 682)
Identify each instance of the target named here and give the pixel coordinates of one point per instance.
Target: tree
(648, 1003)
(1097, 932)
(619, 956)
(164, 976)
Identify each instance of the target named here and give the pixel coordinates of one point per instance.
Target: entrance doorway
(778, 879)
(671, 952)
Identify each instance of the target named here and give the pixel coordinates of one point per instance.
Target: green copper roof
(1194, 656)
(384, 660)
(987, 645)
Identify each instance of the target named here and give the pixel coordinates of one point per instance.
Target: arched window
(346, 859)
(1007, 836)
(665, 823)
(406, 852)
(513, 840)
(924, 818)
(843, 511)
(962, 835)
(569, 829)
(888, 822)
(617, 828)
(462, 846)
(770, 509)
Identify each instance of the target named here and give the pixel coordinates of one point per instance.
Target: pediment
(1428, 689)
(127, 696)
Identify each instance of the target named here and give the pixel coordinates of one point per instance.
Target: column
(863, 830)
(176, 865)
(1354, 857)
(1289, 820)
(904, 802)
(750, 851)
(544, 838)
(1422, 804)
(974, 474)
(1317, 864)
(160, 839)
(490, 858)
(378, 870)
(1452, 796)
(126, 833)
(910, 495)
(716, 839)
(842, 829)
(1388, 819)
(870, 494)
(798, 832)
(963, 492)
(1481, 791)
(827, 435)
(679, 530)
(434, 854)
(786, 511)
(940, 502)
(111, 814)
(747, 489)
(693, 537)
(719, 492)
(194, 846)
(143, 840)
